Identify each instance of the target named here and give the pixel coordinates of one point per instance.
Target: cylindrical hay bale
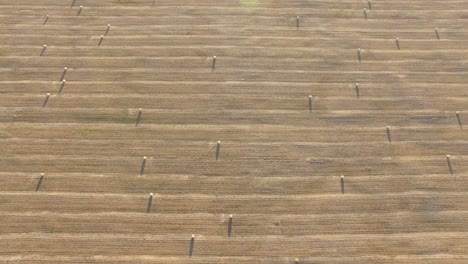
(65, 70)
(437, 33)
(62, 85)
(107, 30)
(310, 104)
(218, 148)
(79, 11)
(342, 184)
(46, 100)
(370, 4)
(143, 164)
(100, 41)
(449, 163)
(397, 40)
(365, 13)
(296, 261)
(297, 22)
(389, 135)
(213, 64)
(359, 53)
(45, 20)
(138, 117)
(43, 50)
(230, 226)
(192, 245)
(150, 202)
(40, 182)
(459, 119)
(358, 92)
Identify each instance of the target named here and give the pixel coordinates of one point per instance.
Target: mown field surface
(280, 161)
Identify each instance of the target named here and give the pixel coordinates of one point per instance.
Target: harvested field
(111, 114)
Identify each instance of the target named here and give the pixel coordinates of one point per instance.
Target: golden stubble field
(275, 194)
